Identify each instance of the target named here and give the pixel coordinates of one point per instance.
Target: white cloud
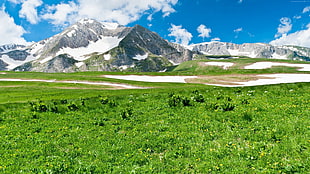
(120, 11)
(284, 27)
(204, 31)
(238, 30)
(306, 9)
(61, 14)
(11, 33)
(16, 1)
(29, 10)
(182, 36)
(240, 1)
(297, 17)
(217, 39)
(299, 38)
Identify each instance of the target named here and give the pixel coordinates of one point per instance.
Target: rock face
(253, 50)
(89, 45)
(3, 65)
(96, 46)
(10, 47)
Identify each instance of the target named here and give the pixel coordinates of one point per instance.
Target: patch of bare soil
(12, 86)
(231, 79)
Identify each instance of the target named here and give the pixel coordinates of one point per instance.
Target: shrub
(105, 100)
(73, 107)
(227, 106)
(126, 113)
(199, 98)
(177, 100)
(38, 106)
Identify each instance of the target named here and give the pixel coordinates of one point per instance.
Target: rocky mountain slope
(89, 45)
(253, 50)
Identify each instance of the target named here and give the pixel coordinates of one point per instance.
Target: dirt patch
(12, 86)
(106, 88)
(231, 79)
(2, 73)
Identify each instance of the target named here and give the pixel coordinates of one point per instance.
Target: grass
(219, 130)
(194, 67)
(170, 128)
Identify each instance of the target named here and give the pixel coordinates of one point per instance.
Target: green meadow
(164, 128)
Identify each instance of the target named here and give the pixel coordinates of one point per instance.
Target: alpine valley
(89, 45)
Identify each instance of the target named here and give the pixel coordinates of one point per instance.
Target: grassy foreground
(263, 129)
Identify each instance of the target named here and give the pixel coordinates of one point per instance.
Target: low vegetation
(171, 128)
(202, 130)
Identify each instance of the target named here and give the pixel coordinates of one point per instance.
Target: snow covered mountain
(89, 45)
(96, 46)
(253, 50)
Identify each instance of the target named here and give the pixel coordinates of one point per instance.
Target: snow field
(265, 65)
(74, 82)
(173, 79)
(225, 65)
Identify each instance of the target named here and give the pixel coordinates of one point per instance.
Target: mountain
(89, 45)
(96, 46)
(13, 55)
(253, 50)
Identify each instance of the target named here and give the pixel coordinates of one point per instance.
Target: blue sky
(280, 22)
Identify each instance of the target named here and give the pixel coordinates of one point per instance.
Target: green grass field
(170, 128)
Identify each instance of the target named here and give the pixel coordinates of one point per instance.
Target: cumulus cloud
(204, 31)
(29, 10)
(306, 9)
(182, 36)
(284, 27)
(120, 11)
(16, 1)
(299, 38)
(11, 33)
(61, 14)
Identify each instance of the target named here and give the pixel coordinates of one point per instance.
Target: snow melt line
(275, 79)
(143, 78)
(74, 82)
(225, 65)
(265, 65)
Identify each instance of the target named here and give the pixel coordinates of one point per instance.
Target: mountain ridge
(97, 46)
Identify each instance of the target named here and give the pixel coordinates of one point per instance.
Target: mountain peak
(86, 21)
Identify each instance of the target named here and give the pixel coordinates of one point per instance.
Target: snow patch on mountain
(35, 48)
(86, 21)
(79, 64)
(46, 59)
(71, 33)
(236, 52)
(101, 46)
(15, 63)
(107, 57)
(141, 57)
(10, 47)
(278, 56)
(110, 25)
